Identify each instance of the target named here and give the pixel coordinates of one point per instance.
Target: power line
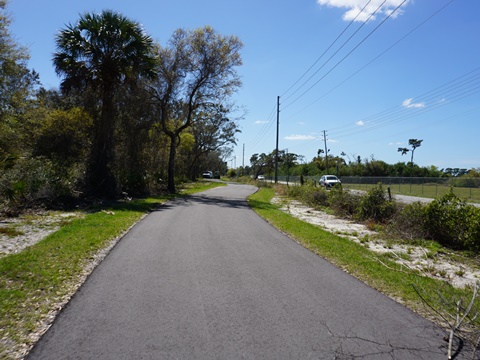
(323, 54)
(452, 91)
(375, 58)
(457, 96)
(347, 55)
(265, 129)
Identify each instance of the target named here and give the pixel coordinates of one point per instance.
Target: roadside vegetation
(447, 225)
(36, 282)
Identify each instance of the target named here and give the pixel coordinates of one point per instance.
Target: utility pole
(326, 151)
(243, 160)
(276, 147)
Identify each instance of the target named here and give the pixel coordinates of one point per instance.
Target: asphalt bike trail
(204, 277)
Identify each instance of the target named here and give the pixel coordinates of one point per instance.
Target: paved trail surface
(206, 278)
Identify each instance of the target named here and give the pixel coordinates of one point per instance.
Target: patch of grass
(10, 231)
(32, 281)
(378, 271)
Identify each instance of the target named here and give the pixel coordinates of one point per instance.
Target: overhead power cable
(347, 55)
(264, 130)
(452, 91)
(323, 54)
(374, 59)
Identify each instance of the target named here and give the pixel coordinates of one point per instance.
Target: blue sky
(414, 75)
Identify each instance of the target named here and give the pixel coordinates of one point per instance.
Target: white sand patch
(411, 257)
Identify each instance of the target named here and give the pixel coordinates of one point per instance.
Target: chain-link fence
(464, 187)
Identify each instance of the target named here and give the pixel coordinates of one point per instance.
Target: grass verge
(34, 281)
(377, 270)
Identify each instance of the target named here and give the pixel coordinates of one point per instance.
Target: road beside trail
(205, 278)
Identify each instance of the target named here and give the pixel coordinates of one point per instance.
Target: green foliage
(64, 136)
(231, 173)
(344, 203)
(376, 205)
(409, 222)
(453, 223)
(34, 180)
(309, 195)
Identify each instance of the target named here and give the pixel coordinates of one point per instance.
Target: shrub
(343, 203)
(35, 180)
(309, 195)
(376, 205)
(453, 223)
(231, 173)
(409, 222)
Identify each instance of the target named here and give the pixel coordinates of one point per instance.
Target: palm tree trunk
(101, 180)
(171, 164)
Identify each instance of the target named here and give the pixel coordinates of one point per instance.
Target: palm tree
(100, 52)
(414, 143)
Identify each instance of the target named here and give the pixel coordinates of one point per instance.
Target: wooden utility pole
(326, 151)
(276, 147)
(243, 160)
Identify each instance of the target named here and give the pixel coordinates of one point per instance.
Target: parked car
(261, 177)
(329, 181)
(207, 175)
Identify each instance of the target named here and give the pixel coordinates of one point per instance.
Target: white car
(207, 175)
(329, 181)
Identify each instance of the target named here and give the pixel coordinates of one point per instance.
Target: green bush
(376, 205)
(453, 222)
(409, 222)
(343, 203)
(231, 173)
(35, 180)
(309, 195)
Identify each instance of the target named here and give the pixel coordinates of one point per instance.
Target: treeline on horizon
(344, 165)
(131, 117)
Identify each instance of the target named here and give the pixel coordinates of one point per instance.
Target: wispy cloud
(409, 104)
(360, 123)
(300, 137)
(260, 122)
(355, 6)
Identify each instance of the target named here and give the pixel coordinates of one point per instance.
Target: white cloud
(409, 104)
(300, 137)
(260, 122)
(360, 123)
(355, 6)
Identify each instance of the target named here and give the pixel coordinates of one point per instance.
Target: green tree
(101, 51)
(213, 131)
(17, 84)
(196, 70)
(414, 143)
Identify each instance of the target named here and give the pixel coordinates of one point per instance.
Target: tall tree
(196, 70)
(213, 129)
(102, 51)
(17, 84)
(414, 143)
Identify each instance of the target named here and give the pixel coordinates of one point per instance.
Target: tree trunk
(101, 181)
(171, 164)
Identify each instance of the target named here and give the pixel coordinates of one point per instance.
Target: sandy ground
(30, 229)
(412, 257)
